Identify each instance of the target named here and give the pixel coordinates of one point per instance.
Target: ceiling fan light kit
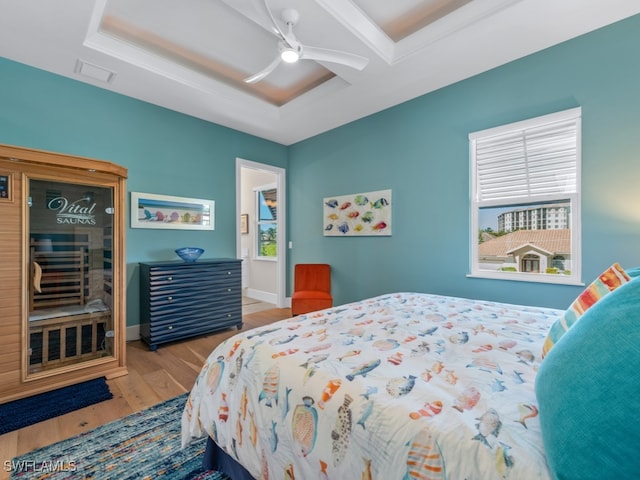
(291, 50)
(289, 55)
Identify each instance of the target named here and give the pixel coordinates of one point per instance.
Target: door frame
(280, 174)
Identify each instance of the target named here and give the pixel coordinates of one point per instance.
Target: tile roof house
(528, 251)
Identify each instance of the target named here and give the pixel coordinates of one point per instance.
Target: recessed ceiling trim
(463, 17)
(221, 95)
(120, 39)
(420, 17)
(357, 22)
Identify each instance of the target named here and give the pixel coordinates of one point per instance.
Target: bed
(388, 386)
(411, 385)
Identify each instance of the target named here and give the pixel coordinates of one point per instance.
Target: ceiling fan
(290, 50)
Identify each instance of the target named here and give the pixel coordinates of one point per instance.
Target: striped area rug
(144, 445)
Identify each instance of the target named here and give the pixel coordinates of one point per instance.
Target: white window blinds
(527, 160)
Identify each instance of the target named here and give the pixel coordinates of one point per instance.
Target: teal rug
(144, 445)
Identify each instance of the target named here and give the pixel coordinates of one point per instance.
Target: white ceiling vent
(93, 71)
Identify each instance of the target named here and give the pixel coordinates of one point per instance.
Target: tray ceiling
(192, 56)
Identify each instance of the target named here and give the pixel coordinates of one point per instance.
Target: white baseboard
(133, 333)
(261, 295)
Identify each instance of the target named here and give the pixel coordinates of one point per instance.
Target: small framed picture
(244, 223)
(6, 187)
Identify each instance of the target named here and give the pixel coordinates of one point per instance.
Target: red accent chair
(312, 288)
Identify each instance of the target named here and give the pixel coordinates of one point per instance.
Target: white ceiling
(192, 55)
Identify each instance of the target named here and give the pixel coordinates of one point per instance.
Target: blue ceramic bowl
(189, 254)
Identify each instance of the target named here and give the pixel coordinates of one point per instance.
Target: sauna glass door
(70, 274)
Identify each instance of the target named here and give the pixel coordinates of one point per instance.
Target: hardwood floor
(153, 378)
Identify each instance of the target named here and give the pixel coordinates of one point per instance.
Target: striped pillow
(607, 282)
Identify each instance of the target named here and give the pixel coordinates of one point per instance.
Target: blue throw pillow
(589, 392)
(633, 272)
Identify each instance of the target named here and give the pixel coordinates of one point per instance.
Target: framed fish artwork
(360, 214)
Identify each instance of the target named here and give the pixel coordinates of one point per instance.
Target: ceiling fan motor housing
(290, 16)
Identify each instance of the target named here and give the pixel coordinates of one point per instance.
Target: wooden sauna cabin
(62, 271)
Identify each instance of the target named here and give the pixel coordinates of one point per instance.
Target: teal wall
(165, 152)
(420, 150)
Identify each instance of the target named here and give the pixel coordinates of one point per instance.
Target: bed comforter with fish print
(403, 385)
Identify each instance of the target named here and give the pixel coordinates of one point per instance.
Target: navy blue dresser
(180, 300)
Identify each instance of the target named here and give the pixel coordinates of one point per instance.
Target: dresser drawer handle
(170, 298)
(228, 273)
(170, 327)
(228, 289)
(170, 279)
(229, 315)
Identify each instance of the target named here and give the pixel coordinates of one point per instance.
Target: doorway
(264, 276)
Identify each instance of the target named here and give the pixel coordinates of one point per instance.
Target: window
(267, 222)
(525, 208)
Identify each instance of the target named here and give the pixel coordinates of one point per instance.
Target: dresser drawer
(168, 326)
(159, 278)
(199, 294)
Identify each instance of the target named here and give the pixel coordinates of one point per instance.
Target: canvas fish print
(359, 214)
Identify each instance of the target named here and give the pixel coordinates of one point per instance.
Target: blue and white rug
(144, 445)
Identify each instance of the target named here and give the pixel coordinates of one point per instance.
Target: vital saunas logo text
(80, 212)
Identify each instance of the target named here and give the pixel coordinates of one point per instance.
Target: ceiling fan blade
(264, 72)
(334, 56)
(287, 37)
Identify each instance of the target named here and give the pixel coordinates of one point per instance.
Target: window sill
(266, 259)
(527, 277)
